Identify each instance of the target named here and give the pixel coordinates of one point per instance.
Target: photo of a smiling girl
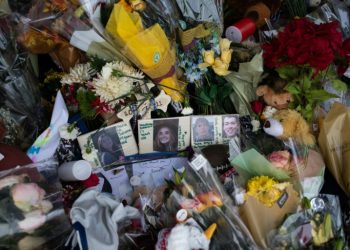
(165, 135)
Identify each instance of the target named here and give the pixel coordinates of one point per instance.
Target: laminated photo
(214, 129)
(164, 135)
(112, 144)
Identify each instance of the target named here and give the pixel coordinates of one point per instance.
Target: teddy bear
(289, 123)
(273, 92)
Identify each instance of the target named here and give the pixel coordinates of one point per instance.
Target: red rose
(257, 106)
(91, 181)
(303, 42)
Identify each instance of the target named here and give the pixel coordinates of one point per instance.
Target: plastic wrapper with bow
(19, 93)
(334, 141)
(32, 213)
(148, 43)
(54, 23)
(273, 176)
(198, 191)
(318, 227)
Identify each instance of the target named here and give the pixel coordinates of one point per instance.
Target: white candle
(75, 171)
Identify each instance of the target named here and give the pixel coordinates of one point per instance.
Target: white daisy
(89, 154)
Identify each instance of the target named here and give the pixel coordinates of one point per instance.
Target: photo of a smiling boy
(165, 133)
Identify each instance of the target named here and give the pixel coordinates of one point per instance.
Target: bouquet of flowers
(50, 24)
(304, 54)
(199, 192)
(147, 43)
(104, 88)
(32, 211)
(319, 226)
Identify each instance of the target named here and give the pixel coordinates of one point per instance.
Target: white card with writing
(112, 143)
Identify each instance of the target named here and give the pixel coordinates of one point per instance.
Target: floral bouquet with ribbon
(198, 193)
(273, 176)
(148, 47)
(319, 226)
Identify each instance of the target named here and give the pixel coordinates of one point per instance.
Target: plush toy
(273, 92)
(289, 123)
(189, 236)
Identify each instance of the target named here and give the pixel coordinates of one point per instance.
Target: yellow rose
(220, 68)
(226, 56)
(224, 44)
(208, 57)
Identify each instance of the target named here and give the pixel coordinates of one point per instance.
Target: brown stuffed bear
(289, 123)
(273, 92)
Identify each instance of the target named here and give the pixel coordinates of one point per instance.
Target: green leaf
(288, 72)
(339, 85)
(213, 91)
(204, 98)
(319, 95)
(178, 178)
(85, 98)
(306, 82)
(293, 89)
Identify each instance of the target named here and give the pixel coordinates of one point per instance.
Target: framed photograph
(112, 143)
(164, 135)
(214, 129)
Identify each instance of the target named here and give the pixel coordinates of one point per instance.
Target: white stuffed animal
(186, 236)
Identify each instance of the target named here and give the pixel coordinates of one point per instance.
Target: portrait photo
(203, 128)
(230, 126)
(165, 135)
(108, 146)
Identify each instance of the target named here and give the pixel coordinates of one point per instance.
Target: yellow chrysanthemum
(264, 189)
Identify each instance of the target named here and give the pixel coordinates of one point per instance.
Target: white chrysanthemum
(109, 87)
(79, 74)
(187, 111)
(68, 132)
(121, 67)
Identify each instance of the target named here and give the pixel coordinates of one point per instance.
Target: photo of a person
(108, 146)
(202, 130)
(165, 135)
(230, 126)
